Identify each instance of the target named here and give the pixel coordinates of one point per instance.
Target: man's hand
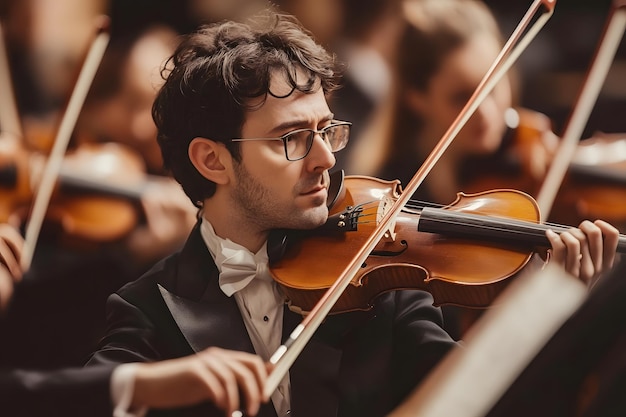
(587, 251)
(11, 244)
(215, 374)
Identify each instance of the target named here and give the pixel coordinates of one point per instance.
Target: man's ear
(210, 158)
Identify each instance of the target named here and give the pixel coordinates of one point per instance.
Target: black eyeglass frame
(323, 132)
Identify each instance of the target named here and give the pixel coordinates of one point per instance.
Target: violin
(96, 198)
(463, 254)
(595, 184)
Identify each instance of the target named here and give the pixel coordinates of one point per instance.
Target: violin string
(540, 226)
(417, 204)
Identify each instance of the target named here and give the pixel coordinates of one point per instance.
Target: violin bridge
(384, 205)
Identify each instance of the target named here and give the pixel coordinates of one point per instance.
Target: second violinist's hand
(538, 154)
(215, 374)
(170, 215)
(586, 252)
(11, 244)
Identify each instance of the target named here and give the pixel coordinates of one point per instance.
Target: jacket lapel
(204, 314)
(205, 325)
(207, 317)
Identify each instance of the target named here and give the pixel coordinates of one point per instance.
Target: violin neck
(593, 173)
(75, 183)
(72, 182)
(515, 233)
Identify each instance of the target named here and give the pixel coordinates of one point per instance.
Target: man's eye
(296, 136)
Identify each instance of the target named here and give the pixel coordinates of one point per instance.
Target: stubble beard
(259, 206)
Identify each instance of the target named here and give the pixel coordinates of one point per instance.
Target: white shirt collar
(237, 265)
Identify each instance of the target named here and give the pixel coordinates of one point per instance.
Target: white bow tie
(237, 265)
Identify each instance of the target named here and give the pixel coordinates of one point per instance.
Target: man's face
(272, 191)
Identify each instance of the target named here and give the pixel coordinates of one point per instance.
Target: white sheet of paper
(472, 378)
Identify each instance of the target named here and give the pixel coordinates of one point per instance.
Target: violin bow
(609, 42)
(9, 119)
(287, 353)
(53, 164)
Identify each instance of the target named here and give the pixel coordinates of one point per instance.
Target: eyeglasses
(298, 143)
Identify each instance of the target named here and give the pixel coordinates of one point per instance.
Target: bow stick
(287, 353)
(53, 164)
(610, 40)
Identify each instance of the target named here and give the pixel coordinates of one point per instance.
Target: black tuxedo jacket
(357, 364)
(71, 392)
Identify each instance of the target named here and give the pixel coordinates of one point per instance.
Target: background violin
(97, 197)
(594, 187)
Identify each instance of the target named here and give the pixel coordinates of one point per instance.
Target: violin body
(595, 185)
(456, 271)
(83, 208)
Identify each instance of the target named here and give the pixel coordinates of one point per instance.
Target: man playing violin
(244, 125)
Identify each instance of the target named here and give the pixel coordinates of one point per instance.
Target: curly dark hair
(212, 77)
